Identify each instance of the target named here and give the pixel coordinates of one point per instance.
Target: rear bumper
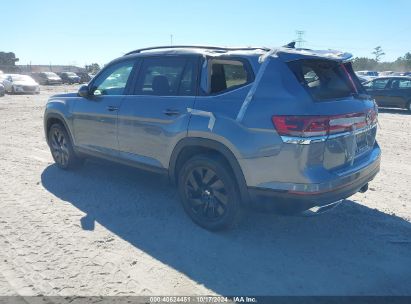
(305, 196)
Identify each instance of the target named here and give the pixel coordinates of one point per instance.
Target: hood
(63, 95)
(25, 83)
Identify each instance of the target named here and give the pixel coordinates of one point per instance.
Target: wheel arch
(52, 118)
(190, 146)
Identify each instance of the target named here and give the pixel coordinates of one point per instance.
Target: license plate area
(364, 142)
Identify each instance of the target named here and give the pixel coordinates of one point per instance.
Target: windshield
(70, 74)
(50, 74)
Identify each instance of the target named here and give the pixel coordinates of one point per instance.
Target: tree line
(401, 64)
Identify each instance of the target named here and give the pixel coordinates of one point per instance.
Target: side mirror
(84, 91)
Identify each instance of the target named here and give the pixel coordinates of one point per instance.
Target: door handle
(171, 112)
(112, 108)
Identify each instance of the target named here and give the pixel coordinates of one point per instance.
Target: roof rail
(217, 48)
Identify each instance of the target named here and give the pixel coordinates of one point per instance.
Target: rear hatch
(340, 123)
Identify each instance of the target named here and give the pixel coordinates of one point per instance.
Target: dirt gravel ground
(106, 229)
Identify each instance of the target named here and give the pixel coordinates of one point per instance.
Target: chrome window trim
(316, 139)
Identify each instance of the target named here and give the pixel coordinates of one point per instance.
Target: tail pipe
(364, 188)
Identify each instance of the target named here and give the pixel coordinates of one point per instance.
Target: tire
(61, 148)
(209, 193)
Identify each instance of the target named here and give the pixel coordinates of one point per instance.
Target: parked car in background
(47, 78)
(16, 83)
(2, 77)
(391, 91)
(229, 126)
(84, 77)
(70, 77)
(363, 79)
(385, 73)
(401, 74)
(2, 90)
(367, 73)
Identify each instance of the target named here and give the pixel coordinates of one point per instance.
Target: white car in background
(16, 83)
(2, 91)
(386, 73)
(367, 75)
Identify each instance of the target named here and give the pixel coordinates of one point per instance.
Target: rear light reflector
(309, 126)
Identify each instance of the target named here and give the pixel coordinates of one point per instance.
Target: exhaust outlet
(364, 188)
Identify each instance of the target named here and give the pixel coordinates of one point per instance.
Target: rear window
(325, 79)
(401, 84)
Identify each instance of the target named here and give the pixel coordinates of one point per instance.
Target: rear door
(379, 89)
(155, 117)
(400, 92)
(95, 117)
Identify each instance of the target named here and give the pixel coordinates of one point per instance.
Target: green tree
(363, 63)
(378, 53)
(93, 68)
(8, 58)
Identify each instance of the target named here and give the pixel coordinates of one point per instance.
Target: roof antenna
(290, 45)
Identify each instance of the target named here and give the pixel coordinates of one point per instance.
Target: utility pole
(171, 39)
(300, 41)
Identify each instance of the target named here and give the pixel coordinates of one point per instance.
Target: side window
(227, 74)
(368, 84)
(170, 76)
(405, 84)
(380, 84)
(113, 80)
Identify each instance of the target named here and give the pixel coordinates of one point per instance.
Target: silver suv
(288, 128)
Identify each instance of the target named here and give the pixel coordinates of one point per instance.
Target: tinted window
(166, 77)
(401, 84)
(325, 79)
(227, 74)
(379, 84)
(113, 80)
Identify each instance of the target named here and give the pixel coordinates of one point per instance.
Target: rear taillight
(303, 126)
(308, 126)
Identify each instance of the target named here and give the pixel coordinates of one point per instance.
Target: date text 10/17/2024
(202, 299)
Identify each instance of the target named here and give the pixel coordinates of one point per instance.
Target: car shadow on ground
(394, 111)
(349, 250)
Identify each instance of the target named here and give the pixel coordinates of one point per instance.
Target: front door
(155, 117)
(95, 117)
(379, 90)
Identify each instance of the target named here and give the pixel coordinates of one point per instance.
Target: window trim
(193, 59)
(130, 82)
(247, 66)
(398, 79)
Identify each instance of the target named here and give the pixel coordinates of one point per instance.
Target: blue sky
(81, 32)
